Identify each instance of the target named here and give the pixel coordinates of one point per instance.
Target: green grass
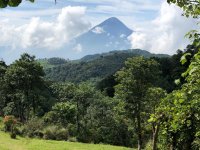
(6, 143)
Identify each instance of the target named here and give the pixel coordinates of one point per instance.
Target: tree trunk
(191, 134)
(155, 136)
(139, 130)
(77, 118)
(173, 144)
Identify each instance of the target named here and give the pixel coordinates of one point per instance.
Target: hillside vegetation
(114, 111)
(91, 67)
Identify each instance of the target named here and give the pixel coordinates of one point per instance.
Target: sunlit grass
(6, 143)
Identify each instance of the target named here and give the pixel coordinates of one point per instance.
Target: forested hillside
(120, 108)
(91, 67)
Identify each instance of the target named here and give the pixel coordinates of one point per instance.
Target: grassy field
(6, 143)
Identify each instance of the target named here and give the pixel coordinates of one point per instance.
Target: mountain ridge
(90, 67)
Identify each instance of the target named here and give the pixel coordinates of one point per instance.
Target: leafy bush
(72, 139)
(55, 133)
(1, 123)
(50, 132)
(13, 135)
(62, 113)
(72, 129)
(196, 144)
(34, 127)
(62, 134)
(148, 145)
(9, 122)
(19, 130)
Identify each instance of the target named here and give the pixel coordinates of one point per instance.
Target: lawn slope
(6, 143)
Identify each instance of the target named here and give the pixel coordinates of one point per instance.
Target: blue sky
(44, 26)
(127, 10)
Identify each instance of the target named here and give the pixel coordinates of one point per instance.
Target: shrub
(55, 133)
(62, 113)
(196, 144)
(148, 145)
(72, 139)
(13, 135)
(1, 123)
(34, 127)
(72, 129)
(50, 132)
(62, 134)
(9, 122)
(20, 130)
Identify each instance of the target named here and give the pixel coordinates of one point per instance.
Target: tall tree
(179, 112)
(25, 81)
(134, 80)
(3, 68)
(83, 97)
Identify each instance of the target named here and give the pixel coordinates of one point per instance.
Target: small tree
(62, 113)
(134, 80)
(153, 97)
(9, 123)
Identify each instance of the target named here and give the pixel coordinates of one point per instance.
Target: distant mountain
(91, 67)
(109, 35)
(137, 52)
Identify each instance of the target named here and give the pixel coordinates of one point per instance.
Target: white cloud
(98, 30)
(78, 48)
(122, 36)
(122, 6)
(51, 35)
(165, 34)
(20, 14)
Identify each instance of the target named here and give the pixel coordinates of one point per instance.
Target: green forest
(127, 98)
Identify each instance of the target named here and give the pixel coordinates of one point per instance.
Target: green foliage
(11, 3)
(190, 7)
(178, 113)
(94, 66)
(89, 115)
(56, 61)
(196, 144)
(9, 123)
(55, 133)
(3, 68)
(33, 128)
(63, 91)
(52, 62)
(13, 135)
(134, 79)
(25, 91)
(106, 85)
(62, 113)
